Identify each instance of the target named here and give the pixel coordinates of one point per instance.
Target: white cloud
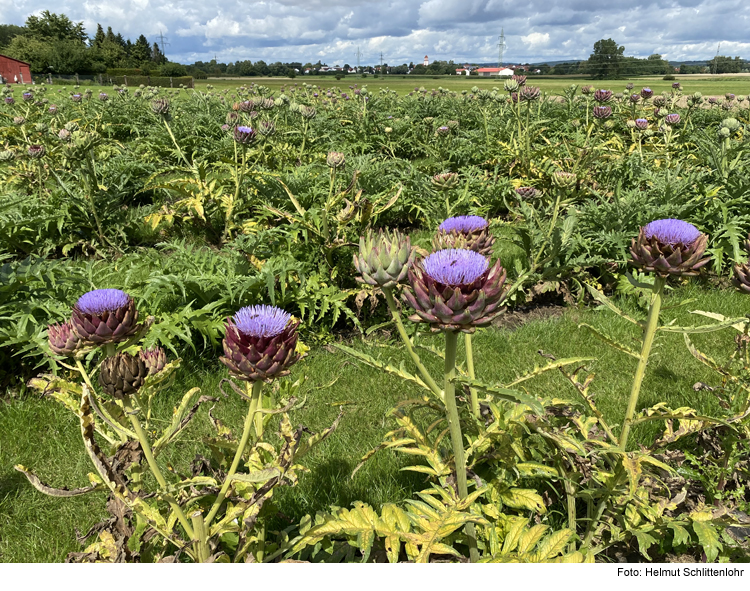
(406, 30)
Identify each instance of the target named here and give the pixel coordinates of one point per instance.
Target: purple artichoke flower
(672, 119)
(9, 100)
(521, 80)
(602, 111)
(27, 96)
(455, 290)
(469, 232)
(712, 100)
(122, 375)
(63, 340)
(641, 124)
(603, 96)
(52, 109)
(634, 98)
(669, 247)
(244, 135)
(443, 130)
(646, 93)
(676, 85)
(64, 134)
(587, 89)
(103, 96)
(260, 343)
(105, 316)
(729, 96)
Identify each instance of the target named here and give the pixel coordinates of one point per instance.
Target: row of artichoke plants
(454, 290)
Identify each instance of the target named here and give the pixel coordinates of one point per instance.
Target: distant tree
(606, 60)
(141, 51)
(157, 56)
(111, 35)
(8, 32)
(172, 69)
(50, 26)
(722, 64)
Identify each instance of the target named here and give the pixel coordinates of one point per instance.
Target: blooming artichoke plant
(260, 343)
(669, 247)
(244, 135)
(155, 359)
(455, 290)
(467, 231)
(105, 316)
(384, 258)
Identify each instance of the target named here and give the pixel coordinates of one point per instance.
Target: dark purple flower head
(676, 85)
(729, 96)
(76, 97)
(672, 119)
(602, 96)
(464, 224)
(671, 231)
(455, 267)
(27, 96)
(244, 135)
(103, 96)
(261, 321)
(52, 109)
(9, 100)
(602, 111)
(641, 124)
(634, 98)
(646, 92)
(102, 300)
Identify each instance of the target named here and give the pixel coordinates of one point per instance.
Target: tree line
(53, 44)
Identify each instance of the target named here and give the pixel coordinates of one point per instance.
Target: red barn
(13, 70)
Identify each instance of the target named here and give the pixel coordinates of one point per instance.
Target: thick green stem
(146, 447)
(256, 392)
(239, 173)
(472, 374)
(176, 145)
(202, 551)
(122, 431)
(648, 340)
(454, 424)
(431, 383)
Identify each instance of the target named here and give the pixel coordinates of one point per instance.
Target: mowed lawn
(41, 435)
(404, 84)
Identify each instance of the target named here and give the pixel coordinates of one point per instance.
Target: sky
(406, 30)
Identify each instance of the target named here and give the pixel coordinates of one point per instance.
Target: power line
(359, 56)
(162, 43)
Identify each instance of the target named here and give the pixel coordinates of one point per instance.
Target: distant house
(13, 70)
(462, 71)
(487, 72)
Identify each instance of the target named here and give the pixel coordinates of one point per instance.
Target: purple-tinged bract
(155, 359)
(527, 192)
(122, 375)
(669, 247)
(63, 340)
(260, 343)
(602, 111)
(641, 124)
(646, 93)
(455, 290)
(105, 316)
(9, 100)
(672, 119)
(244, 135)
(603, 96)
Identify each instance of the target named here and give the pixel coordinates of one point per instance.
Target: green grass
(719, 85)
(403, 85)
(41, 435)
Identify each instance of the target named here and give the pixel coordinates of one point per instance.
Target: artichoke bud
(527, 192)
(154, 358)
(384, 258)
(445, 181)
(160, 106)
(7, 156)
(564, 180)
(63, 340)
(122, 375)
(336, 160)
(510, 85)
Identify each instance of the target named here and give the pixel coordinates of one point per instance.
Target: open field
(714, 86)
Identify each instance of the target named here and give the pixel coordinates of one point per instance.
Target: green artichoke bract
(384, 258)
(669, 247)
(122, 375)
